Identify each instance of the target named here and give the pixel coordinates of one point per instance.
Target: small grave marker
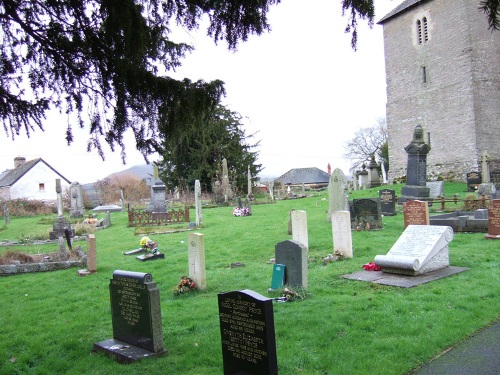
(247, 333)
(293, 255)
(366, 214)
(419, 250)
(342, 236)
(136, 318)
(278, 276)
(473, 180)
(299, 227)
(436, 189)
(196, 260)
(387, 199)
(493, 220)
(415, 213)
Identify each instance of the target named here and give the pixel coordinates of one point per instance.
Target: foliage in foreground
(49, 321)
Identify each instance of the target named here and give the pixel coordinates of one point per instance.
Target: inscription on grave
(415, 213)
(247, 333)
(387, 199)
(494, 219)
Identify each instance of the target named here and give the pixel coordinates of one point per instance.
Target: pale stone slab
(337, 193)
(91, 253)
(299, 227)
(196, 260)
(420, 249)
(197, 203)
(342, 235)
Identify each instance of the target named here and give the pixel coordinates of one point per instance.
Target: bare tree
(367, 142)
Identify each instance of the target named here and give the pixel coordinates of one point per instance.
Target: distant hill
(142, 171)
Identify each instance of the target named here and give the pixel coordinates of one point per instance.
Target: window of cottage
(41, 187)
(426, 34)
(419, 31)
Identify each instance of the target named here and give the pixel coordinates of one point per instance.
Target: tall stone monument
(226, 187)
(158, 203)
(76, 196)
(61, 228)
(337, 193)
(197, 202)
(374, 177)
(486, 187)
(416, 173)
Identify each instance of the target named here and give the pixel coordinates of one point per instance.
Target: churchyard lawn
(49, 321)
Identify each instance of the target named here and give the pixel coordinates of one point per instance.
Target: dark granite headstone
(293, 255)
(247, 333)
(387, 202)
(366, 214)
(136, 318)
(473, 180)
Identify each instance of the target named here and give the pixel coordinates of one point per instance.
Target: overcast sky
(300, 88)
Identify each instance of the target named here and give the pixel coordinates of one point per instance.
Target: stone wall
(449, 84)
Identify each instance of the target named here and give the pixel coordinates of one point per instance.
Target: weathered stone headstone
(374, 177)
(226, 187)
(290, 221)
(419, 250)
(337, 193)
(366, 214)
(293, 255)
(271, 189)
(197, 202)
(485, 167)
(61, 228)
(387, 199)
(342, 236)
(436, 189)
(473, 180)
(6, 214)
(76, 200)
(493, 220)
(136, 318)
(495, 179)
(415, 213)
(91, 253)
(247, 333)
(299, 227)
(355, 180)
(196, 260)
(249, 184)
(363, 177)
(416, 173)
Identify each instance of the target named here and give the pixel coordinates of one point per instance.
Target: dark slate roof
(9, 178)
(399, 9)
(304, 176)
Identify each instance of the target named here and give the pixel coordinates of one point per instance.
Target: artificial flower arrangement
(148, 244)
(241, 211)
(186, 285)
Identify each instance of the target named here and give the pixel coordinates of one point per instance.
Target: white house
(33, 179)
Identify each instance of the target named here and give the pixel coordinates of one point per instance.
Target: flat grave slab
(403, 281)
(150, 256)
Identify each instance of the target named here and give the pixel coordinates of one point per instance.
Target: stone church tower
(443, 72)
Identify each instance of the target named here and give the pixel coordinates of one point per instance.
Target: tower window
(426, 34)
(419, 31)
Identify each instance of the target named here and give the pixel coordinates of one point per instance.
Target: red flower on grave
(371, 267)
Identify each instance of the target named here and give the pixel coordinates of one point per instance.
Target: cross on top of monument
(418, 145)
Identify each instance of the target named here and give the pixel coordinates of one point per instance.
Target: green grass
(49, 321)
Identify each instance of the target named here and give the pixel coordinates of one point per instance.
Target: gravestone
(374, 177)
(436, 189)
(363, 177)
(271, 190)
(473, 180)
(495, 179)
(249, 184)
(91, 257)
(387, 199)
(197, 202)
(366, 214)
(6, 214)
(290, 221)
(76, 200)
(61, 228)
(247, 333)
(416, 172)
(299, 227)
(342, 236)
(293, 255)
(337, 193)
(278, 277)
(419, 250)
(226, 187)
(415, 213)
(493, 220)
(196, 260)
(136, 318)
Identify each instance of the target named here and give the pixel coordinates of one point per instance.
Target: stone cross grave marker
(247, 333)
(342, 236)
(337, 193)
(366, 214)
(419, 250)
(293, 255)
(387, 199)
(76, 198)
(136, 318)
(299, 227)
(415, 213)
(493, 220)
(196, 260)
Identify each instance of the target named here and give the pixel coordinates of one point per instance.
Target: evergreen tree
(196, 153)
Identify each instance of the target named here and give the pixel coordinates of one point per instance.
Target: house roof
(304, 176)
(10, 177)
(399, 9)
